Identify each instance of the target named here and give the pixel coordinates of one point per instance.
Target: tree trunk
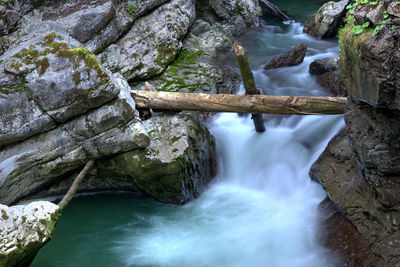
(248, 82)
(275, 11)
(75, 185)
(256, 104)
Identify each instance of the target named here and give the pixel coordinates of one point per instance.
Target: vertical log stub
(248, 82)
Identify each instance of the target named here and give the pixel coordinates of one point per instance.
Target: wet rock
(333, 82)
(24, 230)
(113, 128)
(293, 57)
(177, 164)
(46, 79)
(327, 20)
(152, 43)
(320, 66)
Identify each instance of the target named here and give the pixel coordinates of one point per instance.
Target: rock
(48, 79)
(113, 128)
(293, 57)
(99, 25)
(340, 235)
(152, 43)
(320, 66)
(84, 24)
(371, 66)
(177, 164)
(239, 14)
(332, 82)
(24, 230)
(327, 20)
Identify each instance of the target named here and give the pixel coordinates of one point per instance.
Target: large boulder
(153, 41)
(174, 168)
(294, 56)
(327, 20)
(320, 66)
(24, 229)
(177, 164)
(108, 130)
(238, 14)
(46, 79)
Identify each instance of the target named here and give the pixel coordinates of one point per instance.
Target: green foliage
(131, 8)
(359, 29)
(5, 1)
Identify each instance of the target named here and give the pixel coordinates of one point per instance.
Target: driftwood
(75, 185)
(248, 82)
(256, 104)
(276, 11)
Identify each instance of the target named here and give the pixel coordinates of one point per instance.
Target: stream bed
(261, 209)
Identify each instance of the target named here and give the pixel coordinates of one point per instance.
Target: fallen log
(276, 11)
(255, 104)
(248, 82)
(75, 185)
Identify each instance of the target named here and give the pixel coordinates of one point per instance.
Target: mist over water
(261, 210)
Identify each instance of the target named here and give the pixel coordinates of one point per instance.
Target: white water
(262, 208)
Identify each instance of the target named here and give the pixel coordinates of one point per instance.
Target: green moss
(4, 215)
(42, 65)
(174, 139)
(49, 39)
(165, 55)
(187, 57)
(79, 54)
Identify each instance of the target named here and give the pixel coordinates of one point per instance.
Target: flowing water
(261, 210)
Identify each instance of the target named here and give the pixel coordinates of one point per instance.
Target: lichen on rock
(24, 229)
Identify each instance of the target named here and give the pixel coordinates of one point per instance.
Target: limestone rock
(152, 43)
(24, 229)
(47, 78)
(113, 128)
(293, 57)
(176, 165)
(320, 66)
(327, 20)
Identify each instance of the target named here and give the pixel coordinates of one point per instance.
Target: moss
(174, 139)
(79, 54)
(187, 57)
(42, 65)
(4, 215)
(76, 76)
(165, 55)
(174, 150)
(49, 39)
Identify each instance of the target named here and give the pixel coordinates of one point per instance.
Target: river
(261, 210)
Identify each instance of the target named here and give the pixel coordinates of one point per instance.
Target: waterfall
(261, 210)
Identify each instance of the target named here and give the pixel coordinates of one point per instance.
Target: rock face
(360, 169)
(177, 164)
(333, 82)
(293, 57)
(151, 45)
(327, 20)
(24, 230)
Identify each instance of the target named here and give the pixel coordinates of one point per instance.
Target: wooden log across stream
(260, 104)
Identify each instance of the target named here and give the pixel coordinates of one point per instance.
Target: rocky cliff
(360, 169)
